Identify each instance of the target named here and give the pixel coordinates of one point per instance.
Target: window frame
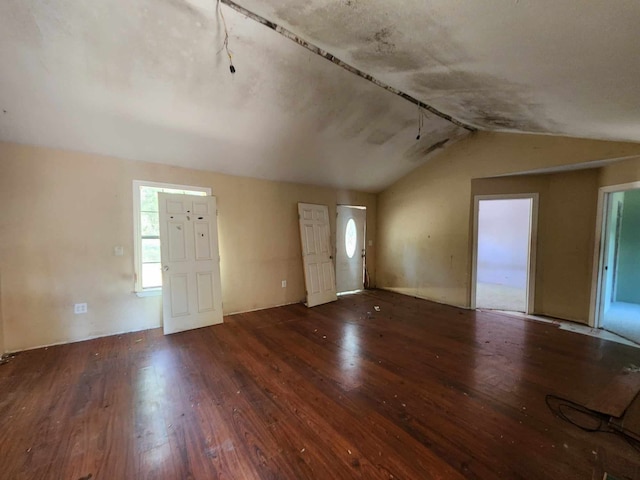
(137, 228)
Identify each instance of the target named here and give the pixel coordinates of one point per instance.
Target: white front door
(350, 248)
(317, 260)
(191, 291)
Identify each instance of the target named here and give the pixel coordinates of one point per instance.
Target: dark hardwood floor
(341, 391)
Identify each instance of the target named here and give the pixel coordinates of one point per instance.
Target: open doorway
(504, 252)
(350, 248)
(618, 276)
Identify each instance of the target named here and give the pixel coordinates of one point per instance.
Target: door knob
(165, 268)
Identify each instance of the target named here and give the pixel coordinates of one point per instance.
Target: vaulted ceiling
(148, 80)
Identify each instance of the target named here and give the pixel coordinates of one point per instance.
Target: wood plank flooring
(341, 391)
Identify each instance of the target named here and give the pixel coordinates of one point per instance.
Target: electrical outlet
(79, 308)
(284, 284)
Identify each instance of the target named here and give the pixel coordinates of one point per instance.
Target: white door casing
(191, 289)
(319, 275)
(351, 222)
(533, 242)
(600, 299)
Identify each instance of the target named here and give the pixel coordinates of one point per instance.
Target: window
(146, 230)
(350, 238)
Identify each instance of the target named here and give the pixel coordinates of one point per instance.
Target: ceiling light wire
(225, 43)
(421, 116)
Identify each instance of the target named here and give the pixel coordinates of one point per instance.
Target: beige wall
(63, 213)
(619, 173)
(566, 227)
(2, 344)
(424, 220)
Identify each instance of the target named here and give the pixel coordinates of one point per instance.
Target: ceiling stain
(435, 146)
(371, 37)
(431, 143)
(382, 41)
(482, 100)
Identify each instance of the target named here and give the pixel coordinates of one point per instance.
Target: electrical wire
(420, 122)
(225, 43)
(594, 422)
(422, 116)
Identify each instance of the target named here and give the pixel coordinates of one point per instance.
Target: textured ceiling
(145, 80)
(540, 66)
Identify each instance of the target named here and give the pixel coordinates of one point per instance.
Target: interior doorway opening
(504, 252)
(618, 305)
(351, 229)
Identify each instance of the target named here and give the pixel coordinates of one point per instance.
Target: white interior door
(350, 248)
(191, 290)
(319, 275)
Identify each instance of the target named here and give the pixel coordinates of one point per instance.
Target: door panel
(191, 290)
(205, 284)
(350, 248)
(203, 240)
(176, 242)
(317, 260)
(179, 285)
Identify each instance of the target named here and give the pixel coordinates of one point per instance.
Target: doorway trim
(598, 250)
(533, 241)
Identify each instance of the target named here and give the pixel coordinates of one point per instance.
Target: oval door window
(350, 238)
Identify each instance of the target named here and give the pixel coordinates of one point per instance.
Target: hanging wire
(422, 116)
(225, 43)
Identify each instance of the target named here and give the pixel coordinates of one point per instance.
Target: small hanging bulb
(232, 68)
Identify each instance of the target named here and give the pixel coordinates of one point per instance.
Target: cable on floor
(586, 419)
